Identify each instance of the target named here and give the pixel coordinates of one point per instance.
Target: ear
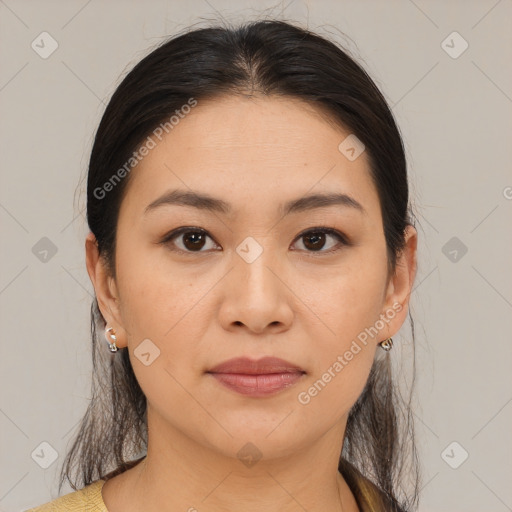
(400, 284)
(105, 288)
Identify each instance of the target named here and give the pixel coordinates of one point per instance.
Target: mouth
(257, 378)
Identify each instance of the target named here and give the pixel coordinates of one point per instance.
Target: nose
(256, 296)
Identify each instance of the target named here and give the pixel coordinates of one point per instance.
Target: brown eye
(187, 240)
(193, 241)
(314, 240)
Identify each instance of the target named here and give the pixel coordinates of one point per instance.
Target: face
(248, 277)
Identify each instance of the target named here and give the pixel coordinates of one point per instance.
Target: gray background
(455, 116)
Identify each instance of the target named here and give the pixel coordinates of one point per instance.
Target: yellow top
(89, 498)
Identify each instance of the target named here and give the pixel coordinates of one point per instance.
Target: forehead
(251, 151)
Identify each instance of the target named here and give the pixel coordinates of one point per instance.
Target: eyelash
(342, 239)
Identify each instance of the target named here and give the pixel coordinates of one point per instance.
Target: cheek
(166, 307)
(153, 298)
(349, 305)
(331, 393)
(346, 300)
(162, 307)
(345, 351)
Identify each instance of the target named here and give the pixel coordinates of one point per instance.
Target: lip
(257, 378)
(263, 366)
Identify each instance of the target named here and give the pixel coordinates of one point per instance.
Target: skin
(292, 302)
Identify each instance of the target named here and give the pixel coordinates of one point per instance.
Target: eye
(190, 239)
(315, 239)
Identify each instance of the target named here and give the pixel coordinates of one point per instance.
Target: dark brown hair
(266, 57)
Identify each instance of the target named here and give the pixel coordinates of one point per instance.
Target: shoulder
(75, 501)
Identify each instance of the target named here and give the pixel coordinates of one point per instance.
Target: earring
(387, 344)
(110, 333)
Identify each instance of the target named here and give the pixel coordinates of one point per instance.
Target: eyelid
(324, 229)
(175, 233)
(343, 240)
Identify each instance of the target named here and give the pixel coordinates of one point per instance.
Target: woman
(252, 255)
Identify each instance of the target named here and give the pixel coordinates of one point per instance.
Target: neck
(181, 474)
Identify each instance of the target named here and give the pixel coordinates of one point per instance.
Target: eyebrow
(209, 203)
